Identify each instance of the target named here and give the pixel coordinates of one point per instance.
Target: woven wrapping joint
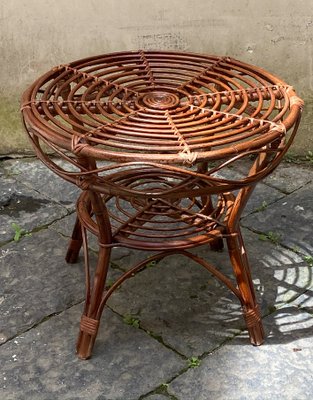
(252, 316)
(83, 182)
(89, 325)
(147, 67)
(79, 143)
(295, 100)
(186, 154)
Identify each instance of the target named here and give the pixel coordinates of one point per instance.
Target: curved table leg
(76, 240)
(251, 311)
(91, 317)
(94, 290)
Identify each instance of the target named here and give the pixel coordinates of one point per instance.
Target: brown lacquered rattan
(149, 137)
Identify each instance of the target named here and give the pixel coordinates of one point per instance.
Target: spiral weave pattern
(163, 107)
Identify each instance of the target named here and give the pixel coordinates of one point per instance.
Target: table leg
(91, 317)
(251, 312)
(94, 292)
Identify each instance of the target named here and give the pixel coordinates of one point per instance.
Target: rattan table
(148, 136)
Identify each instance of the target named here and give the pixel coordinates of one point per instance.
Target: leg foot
(85, 345)
(87, 336)
(254, 325)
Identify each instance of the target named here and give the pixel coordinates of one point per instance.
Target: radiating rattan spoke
(202, 73)
(87, 75)
(147, 68)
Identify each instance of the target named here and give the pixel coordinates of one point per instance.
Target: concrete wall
(38, 34)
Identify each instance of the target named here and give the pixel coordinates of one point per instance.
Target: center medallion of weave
(160, 100)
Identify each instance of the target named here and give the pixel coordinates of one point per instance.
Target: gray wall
(38, 34)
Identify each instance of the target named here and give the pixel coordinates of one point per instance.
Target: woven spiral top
(159, 106)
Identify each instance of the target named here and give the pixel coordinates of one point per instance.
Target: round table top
(164, 107)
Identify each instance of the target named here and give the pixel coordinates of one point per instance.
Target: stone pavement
(172, 331)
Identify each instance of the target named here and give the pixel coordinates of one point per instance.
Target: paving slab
(157, 295)
(291, 219)
(261, 195)
(24, 207)
(65, 226)
(179, 306)
(180, 302)
(36, 281)
(194, 313)
(305, 301)
(279, 369)
(34, 174)
(280, 275)
(41, 364)
(289, 177)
